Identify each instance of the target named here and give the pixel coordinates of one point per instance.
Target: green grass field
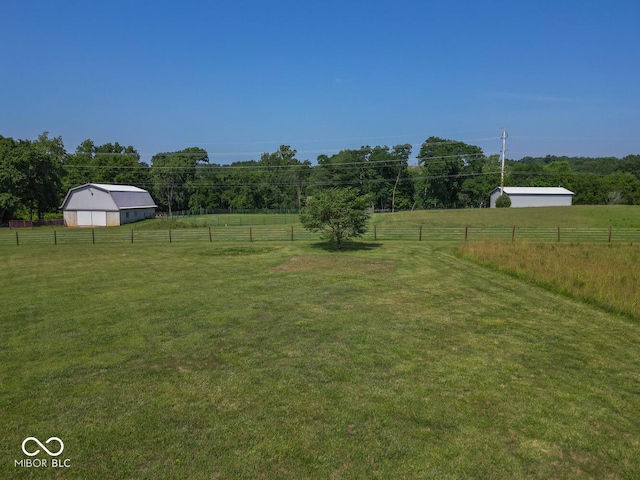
(577, 216)
(618, 224)
(273, 359)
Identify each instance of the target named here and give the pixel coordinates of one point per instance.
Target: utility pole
(504, 149)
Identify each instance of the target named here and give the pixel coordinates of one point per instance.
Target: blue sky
(241, 77)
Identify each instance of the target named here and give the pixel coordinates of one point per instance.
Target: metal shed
(99, 205)
(534, 196)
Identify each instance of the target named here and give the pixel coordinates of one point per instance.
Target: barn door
(84, 219)
(92, 219)
(99, 219)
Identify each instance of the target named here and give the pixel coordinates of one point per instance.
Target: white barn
(99, 205)
(534, 196)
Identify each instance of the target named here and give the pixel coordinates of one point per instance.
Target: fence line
(283, 233)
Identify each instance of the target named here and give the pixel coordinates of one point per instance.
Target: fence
(283, 233)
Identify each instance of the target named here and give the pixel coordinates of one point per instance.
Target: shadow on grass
(346, 247)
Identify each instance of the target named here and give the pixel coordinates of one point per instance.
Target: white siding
(534, 196)
(540, 200)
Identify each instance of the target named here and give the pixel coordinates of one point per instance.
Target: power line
(292, 166)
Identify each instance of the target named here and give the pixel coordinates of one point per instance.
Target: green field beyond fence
(296, 232)
(232, 219)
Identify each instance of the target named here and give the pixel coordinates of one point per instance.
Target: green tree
(379, 173)
(559, 174)
(173, 175)
(30, 175)
(120, 165)
(482, 177)
(339, 214)
(45, 175)
(207, 187)
(526, 175)
(445, 164)
(630, 164)
(622, 188)
(79, 166)
(588, 189)
(282, 179)
(110, 163)
(11, 177)
(402, 187)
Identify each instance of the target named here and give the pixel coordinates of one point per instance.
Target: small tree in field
(339, 214)
(503, 201)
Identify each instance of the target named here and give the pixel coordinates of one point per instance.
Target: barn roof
(124, 196)
(115, 188)
(535, 191)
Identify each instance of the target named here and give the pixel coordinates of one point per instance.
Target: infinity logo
(34, 439)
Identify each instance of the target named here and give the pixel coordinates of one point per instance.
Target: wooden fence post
(375, 233)
(250, 234)
(466, 233)
(558, 232)
(420, 238)
(292, 233)
(513, 233)
(132, 235)
(17, 240)
(609, 241)
(93, 236)
(209, 234)
(55, 238)
(169, 234)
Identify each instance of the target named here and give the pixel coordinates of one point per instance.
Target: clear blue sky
(240, 77)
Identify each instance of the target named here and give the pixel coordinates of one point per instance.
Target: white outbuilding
(534, 196)
(99, 205)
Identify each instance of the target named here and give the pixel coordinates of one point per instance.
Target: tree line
(36, 174)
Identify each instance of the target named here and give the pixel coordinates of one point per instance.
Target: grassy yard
(284, 360)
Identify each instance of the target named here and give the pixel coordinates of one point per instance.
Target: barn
(99, 205)
(534, 196)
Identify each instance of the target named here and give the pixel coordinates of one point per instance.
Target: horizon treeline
(35, 175)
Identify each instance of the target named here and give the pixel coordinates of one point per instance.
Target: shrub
(503, 201)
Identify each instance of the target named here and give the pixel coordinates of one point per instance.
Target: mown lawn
(284, 360)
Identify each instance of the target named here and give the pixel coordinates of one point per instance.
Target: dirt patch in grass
(234, 251)
(339, 265)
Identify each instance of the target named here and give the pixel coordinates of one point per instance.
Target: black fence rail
(283, 233)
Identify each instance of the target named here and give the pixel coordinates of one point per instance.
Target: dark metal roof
(133, 199)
